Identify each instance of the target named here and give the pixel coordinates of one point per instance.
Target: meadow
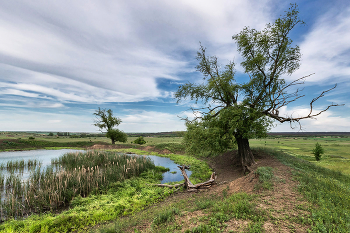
(129, 205)
(336, 156)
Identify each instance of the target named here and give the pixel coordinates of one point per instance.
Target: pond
(45, 157)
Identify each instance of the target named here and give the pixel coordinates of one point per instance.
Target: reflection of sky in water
(168, 176)
(45, 157)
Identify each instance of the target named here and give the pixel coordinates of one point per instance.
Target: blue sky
(61, 60)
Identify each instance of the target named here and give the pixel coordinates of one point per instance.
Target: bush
(31, 138)
(318, 151)
(140, 140)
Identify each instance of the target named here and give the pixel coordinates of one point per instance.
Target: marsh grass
(20, 165)
(73, 174)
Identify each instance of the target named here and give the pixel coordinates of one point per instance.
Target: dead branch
(187, 184)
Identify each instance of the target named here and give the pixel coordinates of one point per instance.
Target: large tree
(106, 121)
(236, 111)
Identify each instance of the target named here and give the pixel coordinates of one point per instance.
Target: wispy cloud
(326, 49)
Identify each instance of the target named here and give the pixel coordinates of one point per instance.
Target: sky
(62, 60)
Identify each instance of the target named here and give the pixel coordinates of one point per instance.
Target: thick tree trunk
(245, 154)
(113, 141)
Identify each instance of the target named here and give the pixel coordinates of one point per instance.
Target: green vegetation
(140, 140)
(245, 108)
(20, 165)
(328, 190)
(27, 144)
(172, 147)
(318, 151)
(72, 175)
(105, 201)
(265, 175)
(123, 202)
(106, 120)
(336, 149)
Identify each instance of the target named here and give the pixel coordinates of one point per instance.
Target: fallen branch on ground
(188, 185)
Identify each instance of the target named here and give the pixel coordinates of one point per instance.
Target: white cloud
(103, 51)
(325, 50)
(151, 121)
(326, 122)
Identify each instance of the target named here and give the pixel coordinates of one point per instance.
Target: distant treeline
(160, 134)
(308, 134)
(85, 135)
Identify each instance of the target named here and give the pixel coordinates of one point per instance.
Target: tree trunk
(113, 141)
(245, 154)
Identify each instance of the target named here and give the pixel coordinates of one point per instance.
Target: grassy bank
(109, 202)
(33, 144)
(324, 205)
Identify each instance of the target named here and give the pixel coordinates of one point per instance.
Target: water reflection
(45, 156)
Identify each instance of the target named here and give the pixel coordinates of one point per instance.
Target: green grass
(265, 176)
(328, 190)
(336, 156)
(114, 201)
(200, 170)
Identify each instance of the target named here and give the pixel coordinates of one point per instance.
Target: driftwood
(188, 185)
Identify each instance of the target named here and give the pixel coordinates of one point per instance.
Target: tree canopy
(236, 111)
(106, 121)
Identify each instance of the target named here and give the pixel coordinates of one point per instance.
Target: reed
(20, 165)
(73, 174)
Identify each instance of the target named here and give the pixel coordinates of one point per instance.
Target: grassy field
(65, 139)
(324, 186)
(336, 156)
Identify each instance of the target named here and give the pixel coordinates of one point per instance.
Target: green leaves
(106, 120)
(117, 135)
(318, 151)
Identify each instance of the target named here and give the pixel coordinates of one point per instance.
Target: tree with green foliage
(140, 140)
(106, 121)
(318, 151)
(235, 111)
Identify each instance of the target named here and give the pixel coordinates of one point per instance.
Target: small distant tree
(106, 121)
(117, 135)
(140, 140)
(51, 134)
(318, 151)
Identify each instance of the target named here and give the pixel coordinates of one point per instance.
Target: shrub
(31, 138)
(140, 140)
(318, 151)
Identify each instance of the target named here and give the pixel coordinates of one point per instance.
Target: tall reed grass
(73, 174)
(20, 165)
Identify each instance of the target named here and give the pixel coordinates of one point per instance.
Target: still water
(45, 157)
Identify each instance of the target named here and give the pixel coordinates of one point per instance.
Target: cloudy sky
(61, 60)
